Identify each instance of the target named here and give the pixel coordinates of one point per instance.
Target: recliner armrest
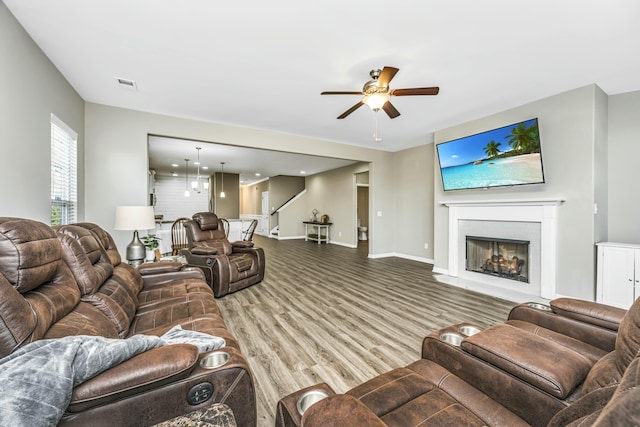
(241, 244)
(159, 267)
(589, 312)
(185, 272)
(593, 323)
(194, 259)
(204, 251)
(149, 370)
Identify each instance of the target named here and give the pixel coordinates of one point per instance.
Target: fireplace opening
(505, 258)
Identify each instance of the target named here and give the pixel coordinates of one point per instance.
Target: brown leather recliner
(228, 266)
(513, 373)
(70, 282)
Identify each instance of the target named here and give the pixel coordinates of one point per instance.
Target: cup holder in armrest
(308, 399)
(452, 338)
(539, 306)
(214, 360)
(469, 330)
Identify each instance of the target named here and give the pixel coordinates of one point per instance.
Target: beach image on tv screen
(506, 156)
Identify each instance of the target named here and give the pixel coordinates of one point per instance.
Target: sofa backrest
(628, 339)
(205, 230)
(85, 256)
(112, 290)
(40, 297)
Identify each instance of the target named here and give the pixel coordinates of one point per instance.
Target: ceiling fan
(376, 93)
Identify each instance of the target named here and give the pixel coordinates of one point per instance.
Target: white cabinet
(618, 280)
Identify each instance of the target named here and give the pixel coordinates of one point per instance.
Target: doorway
(362, 210)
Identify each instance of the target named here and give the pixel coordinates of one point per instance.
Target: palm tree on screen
(492, 149)
(522, 138)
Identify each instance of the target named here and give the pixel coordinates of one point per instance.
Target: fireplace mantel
(543, 211)
(515, 202)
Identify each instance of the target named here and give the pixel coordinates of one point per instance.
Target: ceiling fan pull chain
(375, 127)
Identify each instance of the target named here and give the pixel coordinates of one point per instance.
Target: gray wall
(414, 169)
(568, 139)
(623, 158)
(251, 198)
(31, 89)
(229, 207)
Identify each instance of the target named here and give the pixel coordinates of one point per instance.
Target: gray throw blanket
(37, 380)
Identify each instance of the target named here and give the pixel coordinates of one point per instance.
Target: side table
(321, 231)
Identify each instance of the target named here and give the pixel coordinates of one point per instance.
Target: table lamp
(135, 218)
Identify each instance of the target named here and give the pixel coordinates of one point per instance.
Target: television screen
(506, 156)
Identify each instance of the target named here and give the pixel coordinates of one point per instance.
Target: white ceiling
(263, 64)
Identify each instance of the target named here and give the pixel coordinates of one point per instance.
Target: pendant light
(186, 174)
(222, 195)
(198, 186)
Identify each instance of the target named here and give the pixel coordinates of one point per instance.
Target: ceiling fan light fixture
(375, 101)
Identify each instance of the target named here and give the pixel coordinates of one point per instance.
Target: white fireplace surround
(542, 211)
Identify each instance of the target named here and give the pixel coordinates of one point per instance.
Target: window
(64, 193)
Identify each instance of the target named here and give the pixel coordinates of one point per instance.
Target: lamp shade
(375, 101)
(134, 218)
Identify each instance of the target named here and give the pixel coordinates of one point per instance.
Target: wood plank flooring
(326, 313)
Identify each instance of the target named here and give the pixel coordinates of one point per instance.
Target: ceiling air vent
(127, 84)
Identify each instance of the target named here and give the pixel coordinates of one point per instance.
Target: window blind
(64, 193)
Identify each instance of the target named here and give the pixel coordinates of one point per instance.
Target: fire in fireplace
(504, 258)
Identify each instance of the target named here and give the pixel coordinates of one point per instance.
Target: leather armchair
(228, 267)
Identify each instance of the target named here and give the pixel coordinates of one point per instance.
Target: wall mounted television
(501, 157)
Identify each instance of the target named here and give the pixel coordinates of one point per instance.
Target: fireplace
(520, 220)
(505, 258)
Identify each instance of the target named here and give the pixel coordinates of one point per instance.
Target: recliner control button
(200, 393)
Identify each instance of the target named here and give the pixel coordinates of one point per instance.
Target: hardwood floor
(326, 313)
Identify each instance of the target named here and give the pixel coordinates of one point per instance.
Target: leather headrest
(30, 253)
(105, 239)
(206, 220)
(98, 231)
(628, 339)
(85, 257)
(86, 239)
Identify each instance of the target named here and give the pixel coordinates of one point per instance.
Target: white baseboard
(405, 256)
(415, 258)
(439, 270)
(374, 256)
(288, 237)
(348, 245)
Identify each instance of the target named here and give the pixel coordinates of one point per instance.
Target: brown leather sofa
(510, 374)
(228, 266)
(71, 282)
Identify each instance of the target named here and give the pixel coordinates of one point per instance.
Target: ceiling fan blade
(390, 110)
(351, 110)
(340, 93)
(386, 75)
(416, 91)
